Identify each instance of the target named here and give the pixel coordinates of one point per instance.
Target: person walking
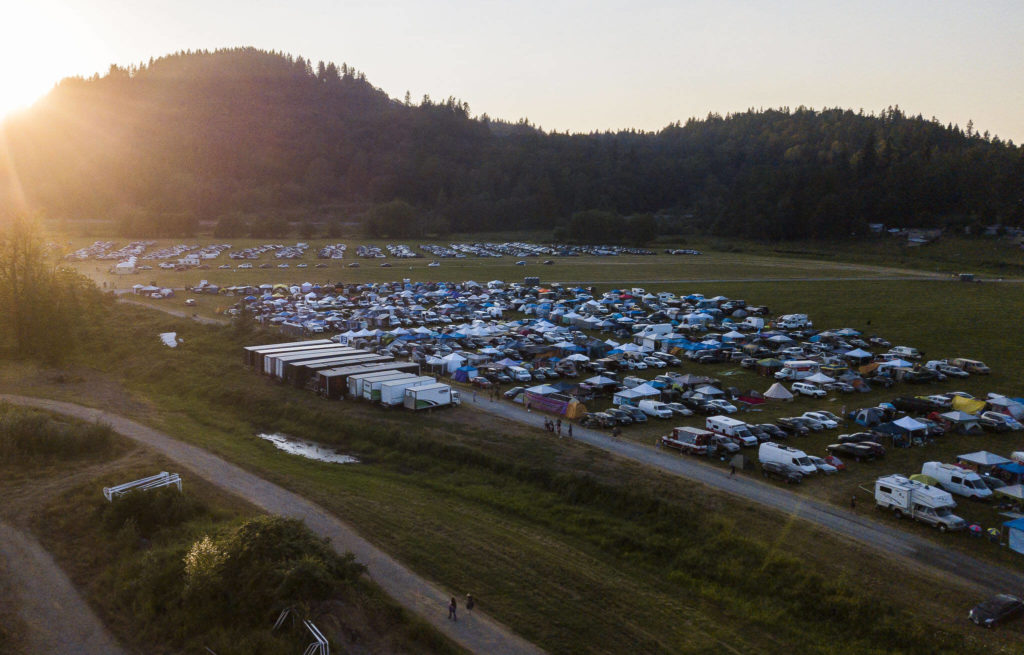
(853, 502)
(470, 603)
(451, 610)
(570, 430)
(732, 470)
(558, 427)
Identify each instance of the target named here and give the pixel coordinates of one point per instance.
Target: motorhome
(918, 501)
(793, 321)
(770, 451)
(957, 480)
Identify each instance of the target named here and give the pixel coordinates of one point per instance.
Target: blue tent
(1015, 529)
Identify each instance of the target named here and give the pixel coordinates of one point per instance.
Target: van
(957, 480)
(773, 452)
(906, 352)
(971, 366)
(519, 374)
(792, 321)
(732, 428)
(654, 408)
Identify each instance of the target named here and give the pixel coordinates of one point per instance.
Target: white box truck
(430, 396)
(773, 452)
(797, 369)
(918, 501)
(957, 480)
(732, 428)
(354, 383)
(393, 392)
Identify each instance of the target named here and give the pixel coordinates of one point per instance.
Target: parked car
(621, 416)
(858, 452)
(773, 431)
(998, 422)
(807, 389)
(655, 362)
(829, 422)
(836, 462)
(724, 405)
(809, 423)
(598, 420)
(841, 387)
(997, 609)
(514, 392)
(481, 382)
(793, 427)
(822, 465)
(638, 416)
(679, 409)
(782, 471)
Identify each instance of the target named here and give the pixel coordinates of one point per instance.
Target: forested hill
(205, 135)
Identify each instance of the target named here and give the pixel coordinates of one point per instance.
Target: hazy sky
(574, 65)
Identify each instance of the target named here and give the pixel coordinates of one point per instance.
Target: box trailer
(254, 354)
(334, 382)
(430, 396)
(299, 373)
(369, 387)
(274, 365)
(392, 392)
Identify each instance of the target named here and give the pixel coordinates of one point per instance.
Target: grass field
(576, 552)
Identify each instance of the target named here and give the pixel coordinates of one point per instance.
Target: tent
(768, 367)
(778, 392)
(1014, 492)
(1007, 406)
(968, 405)
(965, 423)
(542, 389)
(1015, 534)
(819, 378)
(600, 381)
(925, 479)
(859, 355)
(982, 460)
(909, 424)
(464, 374)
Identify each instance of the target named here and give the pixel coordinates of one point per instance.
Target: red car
(835, 461)
(482, 382)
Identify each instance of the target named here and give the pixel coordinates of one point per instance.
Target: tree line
(243, 135)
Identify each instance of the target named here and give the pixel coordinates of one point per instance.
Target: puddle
(307, 449)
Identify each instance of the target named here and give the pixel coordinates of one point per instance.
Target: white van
(957, 480)
(732, 428)
(654, 408)
(773, 452)
(519, 374)
(906, 352)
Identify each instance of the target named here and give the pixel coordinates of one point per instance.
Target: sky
(573, 65)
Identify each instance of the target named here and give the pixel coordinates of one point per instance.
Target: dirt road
(888, 541)
(56, 618)
(477, 633)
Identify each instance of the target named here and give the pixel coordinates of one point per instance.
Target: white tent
(543, 389)
(630, 348)
(578, 358)
(819, 378)
(600, 380)
(708, 390)
(857, 353)
(909, 424)
(778, 392)
(896, 363)
(647, 390)
(453, 361)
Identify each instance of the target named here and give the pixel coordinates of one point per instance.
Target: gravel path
(887, 540)
(477, 633)
(56, 618)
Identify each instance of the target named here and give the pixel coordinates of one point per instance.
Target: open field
(529, 526)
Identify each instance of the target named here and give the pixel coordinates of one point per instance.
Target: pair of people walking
(453, 607)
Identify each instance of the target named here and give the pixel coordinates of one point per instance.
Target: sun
(40, 43)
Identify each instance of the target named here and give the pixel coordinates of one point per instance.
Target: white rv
(957, 480)
(773, 452)
(793, 321)
(918, 501)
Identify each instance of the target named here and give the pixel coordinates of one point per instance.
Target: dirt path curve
(887, 540)
(205, 320)
(56, 618)
(477, 633)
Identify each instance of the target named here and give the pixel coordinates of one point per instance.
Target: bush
(30, 435)
(151, 511)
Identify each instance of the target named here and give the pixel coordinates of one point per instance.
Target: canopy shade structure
(983, 458)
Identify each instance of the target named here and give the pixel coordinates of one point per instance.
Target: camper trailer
(430, 396)
(918, 501)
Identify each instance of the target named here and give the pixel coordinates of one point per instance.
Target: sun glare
(40, 44)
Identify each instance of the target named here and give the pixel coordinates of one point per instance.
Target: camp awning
(983, 458)
(909, 424)
(1016, 533)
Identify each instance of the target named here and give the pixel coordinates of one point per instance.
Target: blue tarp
(686, 344)
(1012, 467)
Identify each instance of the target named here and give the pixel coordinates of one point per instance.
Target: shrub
(29, 435)
(153, 510)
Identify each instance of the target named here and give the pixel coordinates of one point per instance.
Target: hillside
(246, 134)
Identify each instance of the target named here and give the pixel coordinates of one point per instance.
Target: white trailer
(917, 500)
(734, 429)
(430, 396)
(371, 388)
(357, 382)
(393, 392)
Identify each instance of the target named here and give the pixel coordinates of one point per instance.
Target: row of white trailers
(335, 371)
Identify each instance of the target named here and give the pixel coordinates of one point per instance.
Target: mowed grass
(576, 551)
